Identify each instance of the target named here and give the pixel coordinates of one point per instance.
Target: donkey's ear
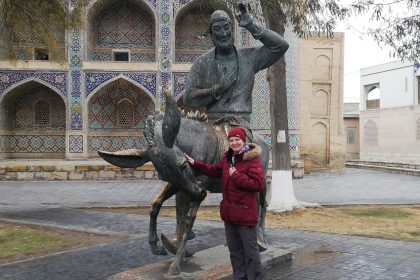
(131, 158)
(171, 121)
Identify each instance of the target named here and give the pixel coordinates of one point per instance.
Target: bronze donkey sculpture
(169, 136)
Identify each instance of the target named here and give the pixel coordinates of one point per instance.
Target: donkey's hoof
(191, 235)
(173, 270)
(171, 245)
(158, 250)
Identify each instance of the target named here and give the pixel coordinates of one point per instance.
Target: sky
(360, 53)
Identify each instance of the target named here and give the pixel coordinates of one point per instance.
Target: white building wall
(391, 133)
(396, 81)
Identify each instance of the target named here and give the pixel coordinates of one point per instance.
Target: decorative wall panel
(95, 79)
(123, 26)
(116, 143)
(76, 144)
(56, 80)
(36, 143)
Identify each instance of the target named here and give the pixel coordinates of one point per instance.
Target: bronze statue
(222, 80)
(169, 136)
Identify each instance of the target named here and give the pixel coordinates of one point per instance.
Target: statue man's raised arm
(217, 74)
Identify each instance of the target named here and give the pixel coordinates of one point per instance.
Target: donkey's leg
(174, 268)
(166, 192)
(182, 209)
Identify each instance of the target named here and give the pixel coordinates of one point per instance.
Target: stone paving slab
(355, 186)
(358, 186)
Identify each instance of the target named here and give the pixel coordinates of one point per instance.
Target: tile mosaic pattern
(151, 3)
(115, 143)
(180, 79)
(165, 59)
(75, 80)
(95, 79)
(124, 26)
(56, 80)
(36, 143)
(76, 144)
(23, 117)
(260, 118)
(190, 38)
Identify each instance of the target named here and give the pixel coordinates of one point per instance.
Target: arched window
(373, 98)
(125, 112)
(42, 113)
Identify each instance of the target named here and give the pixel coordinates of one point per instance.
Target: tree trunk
(276, 75)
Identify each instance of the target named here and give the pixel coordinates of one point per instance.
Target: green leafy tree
(26, 24)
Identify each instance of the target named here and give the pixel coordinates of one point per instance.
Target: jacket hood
(253, 152)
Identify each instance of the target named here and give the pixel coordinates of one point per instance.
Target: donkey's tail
(171, 120)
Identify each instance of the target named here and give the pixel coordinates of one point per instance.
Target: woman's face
(236, 144)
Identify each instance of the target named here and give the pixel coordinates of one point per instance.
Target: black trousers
(244, 252)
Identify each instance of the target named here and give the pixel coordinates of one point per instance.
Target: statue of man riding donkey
(222, 80)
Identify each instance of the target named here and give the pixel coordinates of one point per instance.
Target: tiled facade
(162, 37)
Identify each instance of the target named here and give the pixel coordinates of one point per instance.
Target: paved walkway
(355, 186)
(317, 255)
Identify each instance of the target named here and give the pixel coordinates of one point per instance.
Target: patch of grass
(414, 233)
(378, 212)
(21, 241)
(16, 240)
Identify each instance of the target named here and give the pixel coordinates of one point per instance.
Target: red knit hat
(237, 132)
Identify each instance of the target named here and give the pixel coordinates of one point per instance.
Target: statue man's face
(221, 34)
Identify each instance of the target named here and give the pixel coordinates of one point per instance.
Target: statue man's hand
(227, 81)
(243, 17)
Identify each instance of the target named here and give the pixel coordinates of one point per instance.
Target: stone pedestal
(212, 263)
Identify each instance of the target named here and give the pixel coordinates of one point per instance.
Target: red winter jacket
(239, 204)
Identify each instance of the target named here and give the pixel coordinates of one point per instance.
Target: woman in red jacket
(242, 177)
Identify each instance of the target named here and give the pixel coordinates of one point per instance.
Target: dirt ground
(74, 239)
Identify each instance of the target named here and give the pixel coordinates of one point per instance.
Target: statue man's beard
(225, 45)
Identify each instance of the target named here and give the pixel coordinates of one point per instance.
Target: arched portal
(121, 31)
(191, 25)
(323, 68)
(370, 133)
(32, 123)
(117, 117)
(320, 103)
(319, 146)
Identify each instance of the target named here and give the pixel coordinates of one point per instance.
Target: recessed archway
(117, 117)
(32, 122)
(121, 31)
(191, 25)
